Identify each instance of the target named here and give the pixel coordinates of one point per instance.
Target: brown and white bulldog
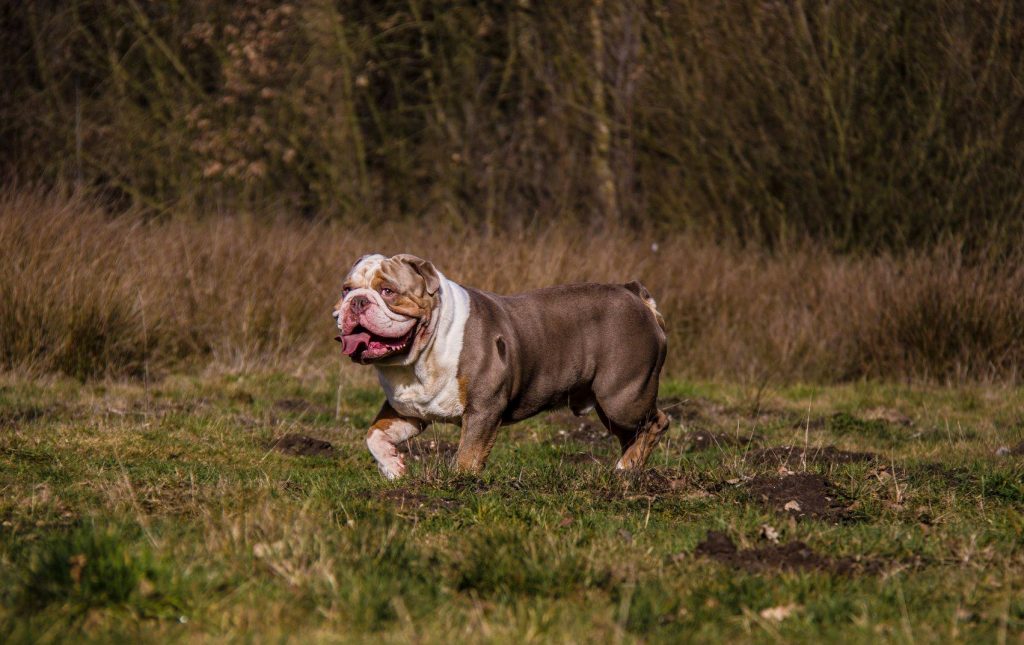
(444, 352)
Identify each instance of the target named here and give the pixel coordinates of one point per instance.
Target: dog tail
(645, 295)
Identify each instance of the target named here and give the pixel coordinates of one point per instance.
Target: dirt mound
(803, 495)
(302, 446)
(570, 427)
(701, 440)
(792, 556)
(796, 456)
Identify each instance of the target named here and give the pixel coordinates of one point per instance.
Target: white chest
(432, 399)
(429, 389)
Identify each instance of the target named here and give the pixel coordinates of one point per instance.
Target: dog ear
(425, 269)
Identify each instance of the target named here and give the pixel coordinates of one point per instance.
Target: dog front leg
(478, 434)
(387, 431)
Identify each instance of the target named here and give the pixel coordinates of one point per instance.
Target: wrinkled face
(385, 308)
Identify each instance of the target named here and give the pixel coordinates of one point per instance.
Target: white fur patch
(382, 442)
(364, 270)
(429, 388)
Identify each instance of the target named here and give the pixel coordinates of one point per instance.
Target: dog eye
(384, 291)
(344, 292)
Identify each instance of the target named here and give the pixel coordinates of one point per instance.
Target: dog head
(385, 309)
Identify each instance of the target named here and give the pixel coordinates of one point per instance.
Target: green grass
(157, 512)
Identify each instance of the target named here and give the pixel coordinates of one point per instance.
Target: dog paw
(393, 470)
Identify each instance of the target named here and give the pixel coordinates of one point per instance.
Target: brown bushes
(87, 294)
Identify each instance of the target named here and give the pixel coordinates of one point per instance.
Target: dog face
(385, 308)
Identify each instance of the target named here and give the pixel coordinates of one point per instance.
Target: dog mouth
(363, 345)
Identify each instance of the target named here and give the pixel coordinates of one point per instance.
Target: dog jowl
(445, 352)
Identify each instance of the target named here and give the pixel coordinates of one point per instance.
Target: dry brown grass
(88, 294)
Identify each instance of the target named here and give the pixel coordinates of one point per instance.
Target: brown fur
(589, 345)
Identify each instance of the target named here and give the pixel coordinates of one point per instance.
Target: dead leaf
(769, 533)
(779, 613)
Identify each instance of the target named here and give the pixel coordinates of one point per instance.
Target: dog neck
(428, 387)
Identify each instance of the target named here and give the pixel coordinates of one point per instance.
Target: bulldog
(445, 352)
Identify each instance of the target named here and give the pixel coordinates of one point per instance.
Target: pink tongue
(350, 344)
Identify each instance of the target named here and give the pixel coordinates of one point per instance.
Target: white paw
(393, 470)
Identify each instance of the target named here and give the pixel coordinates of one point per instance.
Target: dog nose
(359, 303)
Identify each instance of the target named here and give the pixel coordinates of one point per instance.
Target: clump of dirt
(573, 428)
(421, 449)
(701, 440)
(801, 495)
(796, 456)
(408, 499)
(301, 445)
(792, 556)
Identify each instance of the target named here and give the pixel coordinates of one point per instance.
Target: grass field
(161, 511)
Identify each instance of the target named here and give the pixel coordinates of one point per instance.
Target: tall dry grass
(88, 294)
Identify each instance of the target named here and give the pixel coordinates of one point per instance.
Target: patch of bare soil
(701, 440)
(801, 495)
(570, 427)
(791, 556)
(796, 456)
(421, 449)
(300, 445)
